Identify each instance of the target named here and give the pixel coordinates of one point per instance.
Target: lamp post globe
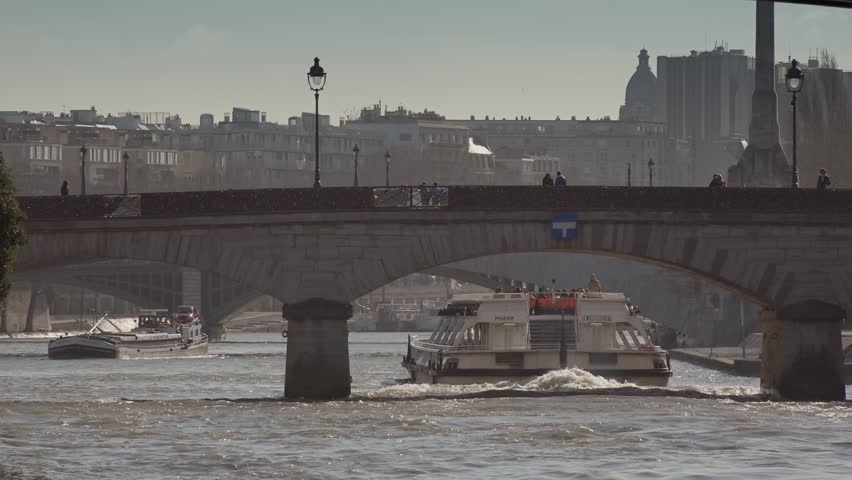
(355, 150)
(316, 76)
(387, 168)
(795, 80)
(316, 81)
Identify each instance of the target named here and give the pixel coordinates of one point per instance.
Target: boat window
(475, 334)
(459, 310)
(469, 337)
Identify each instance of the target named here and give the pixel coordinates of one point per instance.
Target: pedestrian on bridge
(718, 181)
(435, 194)
(547, 180)
(425, 197)
(63, 190)
(823, 180)
(560, 180)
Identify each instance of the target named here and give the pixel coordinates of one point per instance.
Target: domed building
(640, 100)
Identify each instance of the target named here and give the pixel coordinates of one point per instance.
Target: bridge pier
(802, 353)
(317, 349)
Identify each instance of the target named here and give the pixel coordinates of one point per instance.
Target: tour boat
(157, 335)
(492, 337)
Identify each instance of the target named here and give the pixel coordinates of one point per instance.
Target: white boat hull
(643, 368)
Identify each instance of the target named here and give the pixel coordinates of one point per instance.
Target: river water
(221, 416)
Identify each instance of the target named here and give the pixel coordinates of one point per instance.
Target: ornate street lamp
(83, 151)
(355, 150)
(795, 80)
(387, 168)
(651, 172)
(125, 157)
(316, 80)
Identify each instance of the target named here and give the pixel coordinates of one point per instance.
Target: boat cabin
(583, 321)
(491, 321)
(185, 314)
(154, 320)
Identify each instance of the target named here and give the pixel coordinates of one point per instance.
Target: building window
(404, 137)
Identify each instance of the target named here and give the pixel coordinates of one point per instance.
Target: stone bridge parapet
(244, 202)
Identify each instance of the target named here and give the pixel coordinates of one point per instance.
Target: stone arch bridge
(321, 248)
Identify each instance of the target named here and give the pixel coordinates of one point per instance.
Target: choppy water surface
(221, 417)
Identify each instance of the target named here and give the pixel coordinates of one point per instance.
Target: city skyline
(497, 58)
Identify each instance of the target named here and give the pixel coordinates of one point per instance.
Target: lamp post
(651, 172)
(83, 152)
(316, 80)
(795, 79)
(563, 344)
(125, 157)
(355, 150)
(387, 168)
(628, 175)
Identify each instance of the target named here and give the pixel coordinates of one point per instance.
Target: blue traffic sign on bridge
(563, 226)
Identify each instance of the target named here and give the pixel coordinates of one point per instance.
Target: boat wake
(557, 383)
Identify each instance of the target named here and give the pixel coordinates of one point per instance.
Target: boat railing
(532, 347)
(95, 325)
(461, 348)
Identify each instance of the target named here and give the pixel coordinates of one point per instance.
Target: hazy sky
(460, 57)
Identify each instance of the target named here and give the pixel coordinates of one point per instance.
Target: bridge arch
(342, 255)
(448, 270)
(145, 284)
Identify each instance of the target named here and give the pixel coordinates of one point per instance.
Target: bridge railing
(410, 197)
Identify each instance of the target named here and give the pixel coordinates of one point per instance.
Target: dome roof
(642, 87)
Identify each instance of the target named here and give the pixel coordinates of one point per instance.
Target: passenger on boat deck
(594, 284)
